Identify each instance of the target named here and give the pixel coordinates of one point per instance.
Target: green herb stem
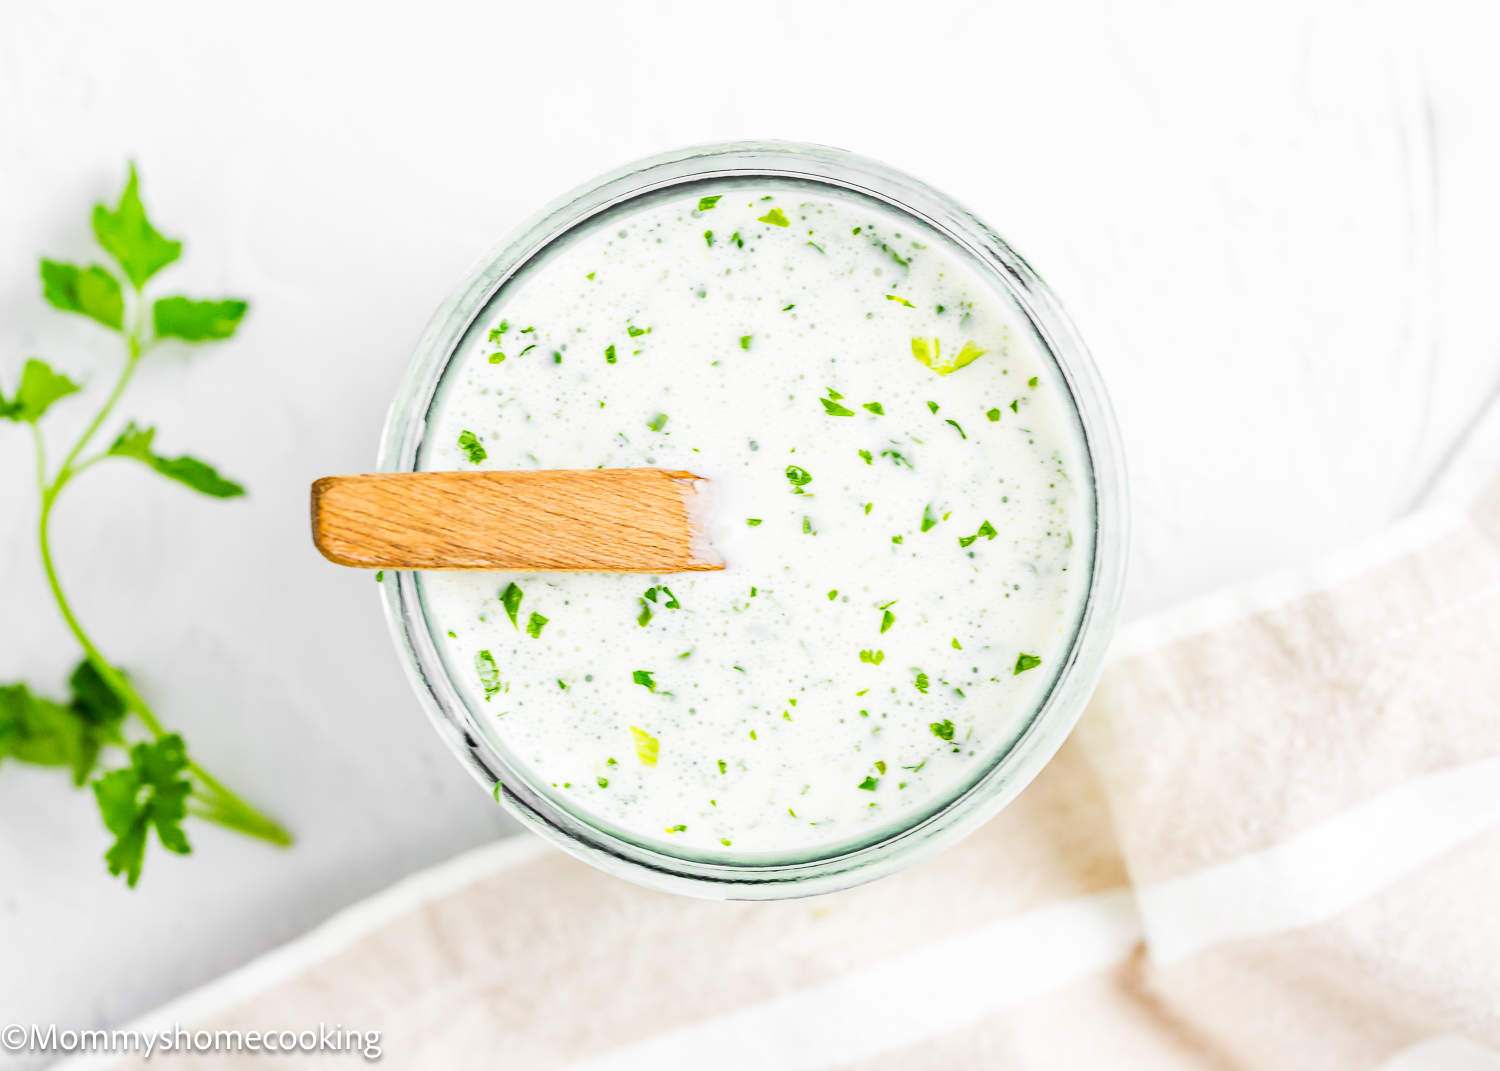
(216, 803)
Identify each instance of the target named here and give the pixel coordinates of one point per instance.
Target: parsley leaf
(900, 299)
(40, 387)
(776, 218)
(135, 442)
(943, 730)
(535, 625)
(705, 203)
(150, 793)
(869, 784)
(197, 321)
(833, 408)
(644, 678)
(92, 292)
(1025, 662)
(128, 236)
(799, 478)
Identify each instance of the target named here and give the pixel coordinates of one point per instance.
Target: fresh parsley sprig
(160, 786)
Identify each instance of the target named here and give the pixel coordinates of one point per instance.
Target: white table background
(1274, 225)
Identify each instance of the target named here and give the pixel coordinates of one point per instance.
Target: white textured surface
(1274, 227)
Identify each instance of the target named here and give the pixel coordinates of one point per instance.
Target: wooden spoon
(562, 520)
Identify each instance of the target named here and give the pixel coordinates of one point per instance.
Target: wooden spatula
(584, 520)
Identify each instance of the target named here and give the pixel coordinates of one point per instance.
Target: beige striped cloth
(1274, 842)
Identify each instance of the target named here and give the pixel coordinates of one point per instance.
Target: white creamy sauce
(882, 629)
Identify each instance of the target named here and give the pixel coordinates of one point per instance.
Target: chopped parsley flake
(647, 747)
(745, 342)
(1025, 662)
(929, 519)
(776, 218)
(657, 422)
(469, 443)
(921, 682)
(833, 408)
(510, 598)
(899, 299)
(636, 332)
(535, 625)
(753, 522)
(489, 674)
(705, 203)
(960, 430)
(876, 408)
(986, 529)
(869, 783)
(708, 236)
(874, 658)
(1032, 382)
(677, 829)
(993, 414)
(929, 352)
(887, 619)
(869, 460)
(799, 478)
(644, 678)
(609, 354)
(723, 767)
(943, 730)
(602, 781)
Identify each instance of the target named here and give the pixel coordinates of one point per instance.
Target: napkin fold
(1274, 841)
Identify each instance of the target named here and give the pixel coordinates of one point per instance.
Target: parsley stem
(66, 471)
(216, 803)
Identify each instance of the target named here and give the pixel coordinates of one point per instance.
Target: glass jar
(1009, 768)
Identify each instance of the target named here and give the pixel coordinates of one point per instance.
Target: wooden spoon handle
(584, 520)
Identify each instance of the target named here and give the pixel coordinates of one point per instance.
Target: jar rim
(1009, 770)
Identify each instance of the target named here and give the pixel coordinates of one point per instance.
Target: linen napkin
(1274, 841)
